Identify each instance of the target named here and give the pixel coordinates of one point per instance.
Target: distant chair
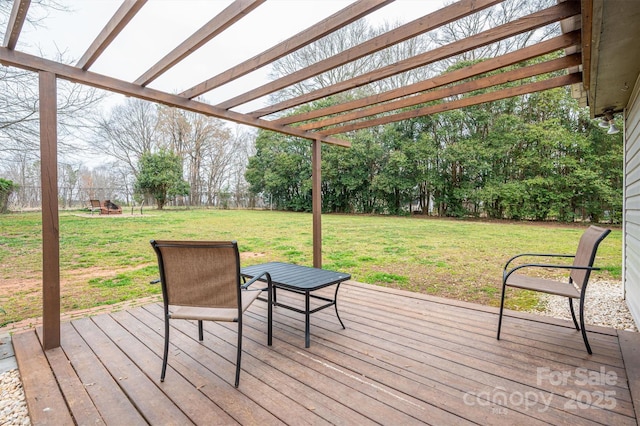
(574, 288)
(95, 205)
(201, 281)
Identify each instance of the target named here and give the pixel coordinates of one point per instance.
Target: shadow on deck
(404, 358)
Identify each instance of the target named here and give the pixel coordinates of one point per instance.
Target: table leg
(307, 319)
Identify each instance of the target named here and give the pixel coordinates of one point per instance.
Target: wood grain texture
(404, 358)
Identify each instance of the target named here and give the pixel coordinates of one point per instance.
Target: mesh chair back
(586, 254)
(199, 273)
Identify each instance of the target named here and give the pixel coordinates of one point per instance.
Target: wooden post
(316, 196)
(50, 222)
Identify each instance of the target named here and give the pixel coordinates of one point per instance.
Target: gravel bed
(13, 406)
(604, 306)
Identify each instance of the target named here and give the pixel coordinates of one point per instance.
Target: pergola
(320, 125)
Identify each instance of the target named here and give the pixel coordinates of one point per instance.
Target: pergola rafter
(368, 111)
(497, 95)
(459, 89)
(419, 26)
(334, 22)
(16, 20)
(524, 24)
(561, 42)
(116, 24)
(233, 13)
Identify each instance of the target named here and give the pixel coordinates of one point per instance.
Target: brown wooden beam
(539, 86)
(419, 26)
(316, 201)
(76, 75)
(16, 21)
(587, 42)
(229, 16)
(526, 23)
(524, 54)
(320, 29)
(125, 13)
(459, 89)
(50, 222)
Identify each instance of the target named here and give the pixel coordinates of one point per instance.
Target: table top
(296, 277)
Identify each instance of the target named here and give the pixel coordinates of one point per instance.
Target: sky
(162, 25)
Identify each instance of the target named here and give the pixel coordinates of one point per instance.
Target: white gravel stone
(13, 407)
(604, 306)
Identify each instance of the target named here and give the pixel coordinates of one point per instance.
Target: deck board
(75, 393)
(403, 358)
(46, 405)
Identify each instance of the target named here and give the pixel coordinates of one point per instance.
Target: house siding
(631, 234)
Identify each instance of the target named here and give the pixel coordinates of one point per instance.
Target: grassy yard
(105, 260)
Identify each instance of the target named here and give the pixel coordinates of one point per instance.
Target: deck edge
(47, 405)
(630, 349)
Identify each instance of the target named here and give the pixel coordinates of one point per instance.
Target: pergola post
(50, 221)
(316, 200)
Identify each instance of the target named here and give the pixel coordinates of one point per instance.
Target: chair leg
(239, 352)
(269, 318)
(573, 314)
(166, 348)
(200, 331)
(504, 288)
(584, 330)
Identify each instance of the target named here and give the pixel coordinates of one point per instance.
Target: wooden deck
(404, 358)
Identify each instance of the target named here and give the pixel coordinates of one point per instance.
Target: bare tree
(202, 142)
(398, 52)
(68, 181)
(334, 43)
(218, 159)
(19, 104)
(245, 148)
(128, 132)
(492, 17)
(345, 38)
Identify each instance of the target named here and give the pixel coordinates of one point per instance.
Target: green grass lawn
(105, 260)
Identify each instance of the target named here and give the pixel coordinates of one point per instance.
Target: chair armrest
(544, 265)
(535, 255)
(246, 285)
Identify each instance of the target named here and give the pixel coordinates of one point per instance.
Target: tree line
(537, 157)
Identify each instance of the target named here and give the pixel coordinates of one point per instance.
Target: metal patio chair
(201, 281)
(574, 288)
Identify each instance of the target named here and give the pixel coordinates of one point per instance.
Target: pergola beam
(497, 95)
(459, 89)
(343, 17)
(76, 75)
(16, 21)
(229, 16)
(316, 201)
(50, 220)
(538, 49)
(414, 28)
(587, 18)
(521, 25)
(125, 13)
